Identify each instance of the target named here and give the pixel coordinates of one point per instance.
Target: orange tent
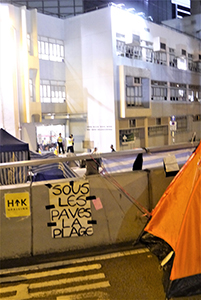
(176, 220)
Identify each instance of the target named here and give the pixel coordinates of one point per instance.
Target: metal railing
(77, 157)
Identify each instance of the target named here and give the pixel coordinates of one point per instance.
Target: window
(183, 52)
(149, 55)
(157, 130)
(181, 123)
(160, 57)
(133, 91)
(137, 52)
(50, 49)
(120, 48)
(177, 92)
(31, 95)
(120, 36)
(29, 43)
(52, 91)
(137, 80)
(172, 58)
(147, 50)
(158, 90)
(191, 64)
(197, 118)
(129, 135)
(120, 44)
(194, 93)
(163, 46)
(134, 52)
(158, 121)
(132, 123)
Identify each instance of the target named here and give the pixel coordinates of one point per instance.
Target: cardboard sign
(70, 211)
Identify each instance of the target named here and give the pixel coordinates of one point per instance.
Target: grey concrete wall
(158, 182)
(118, 221)
(15, 232)
(60, 208)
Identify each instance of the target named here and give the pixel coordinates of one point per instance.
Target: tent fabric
(9, 143)
(50, 171)
(11, 150)
(177, 218)
(13, 175)
(187, 286)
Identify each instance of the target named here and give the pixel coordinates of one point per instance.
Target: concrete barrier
(158, 182)
(77, 214)
(15, 220)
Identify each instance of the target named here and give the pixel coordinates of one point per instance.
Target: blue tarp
(50, 171)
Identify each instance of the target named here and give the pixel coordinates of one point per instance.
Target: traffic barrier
(16, 221)
(78, 213)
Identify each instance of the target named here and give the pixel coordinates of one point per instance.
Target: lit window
(29, 43)
(177, 92)
(50, 49)
(182, 63)
(133, 91)
(52, 91)
(31, 89)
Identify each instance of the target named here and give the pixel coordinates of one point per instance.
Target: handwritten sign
(17, 205)
(70, 211)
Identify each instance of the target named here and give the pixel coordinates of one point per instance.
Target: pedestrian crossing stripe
(96, 295)
(62, 271)
(23, 291)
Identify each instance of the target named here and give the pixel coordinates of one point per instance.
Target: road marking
(23, 294)
(66, 280)
(26, 291)
(50, 273)
(78, 288)
(46, 288)
(72, 261)
(98, 295)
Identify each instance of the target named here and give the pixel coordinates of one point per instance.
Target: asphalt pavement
(131, 273)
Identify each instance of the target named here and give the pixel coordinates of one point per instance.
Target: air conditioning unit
(181, 51)
(159, 44)
(134, 40)
(197, 57)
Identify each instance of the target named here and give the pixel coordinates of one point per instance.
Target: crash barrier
(77, 213)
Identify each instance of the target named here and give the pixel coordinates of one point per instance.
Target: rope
(111, 179)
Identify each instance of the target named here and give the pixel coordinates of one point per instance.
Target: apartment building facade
(108, 76)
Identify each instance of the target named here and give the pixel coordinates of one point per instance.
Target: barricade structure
(105, 208)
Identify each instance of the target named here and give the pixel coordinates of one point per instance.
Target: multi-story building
(109, 77)
(156, 9)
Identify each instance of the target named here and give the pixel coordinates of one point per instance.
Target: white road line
(78, 288)
(51, 273)
(22, 291)
(72, 261)
(66, 280)
(54, 282)
(99, 295)
(8, 289)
